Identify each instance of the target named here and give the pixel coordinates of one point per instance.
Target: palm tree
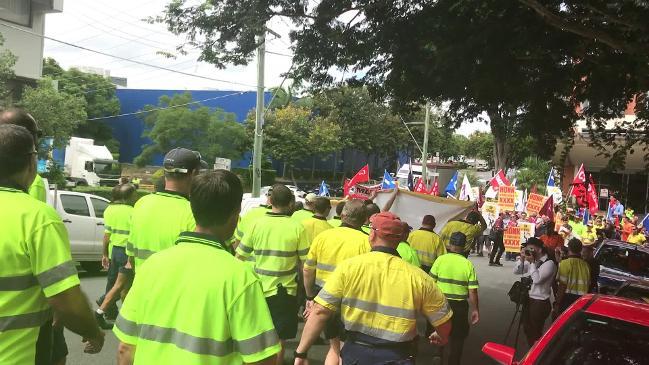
(533, 171)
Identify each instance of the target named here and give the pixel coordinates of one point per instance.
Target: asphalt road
(495, 315)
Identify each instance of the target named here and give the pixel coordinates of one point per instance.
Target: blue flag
(324, 191)
(586, 217)
(388, 182)
(451, 188)
(550, 178)
(645, 222)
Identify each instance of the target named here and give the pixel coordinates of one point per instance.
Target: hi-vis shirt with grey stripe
(44, 279)
(194, 344)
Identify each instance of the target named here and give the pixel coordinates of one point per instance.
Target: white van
(83, 216)
(402, 174)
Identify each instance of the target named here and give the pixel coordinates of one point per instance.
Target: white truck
(90, 165)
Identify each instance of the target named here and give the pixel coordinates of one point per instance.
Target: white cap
(310, 197)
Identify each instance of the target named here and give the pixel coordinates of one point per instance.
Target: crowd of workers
(202, 284)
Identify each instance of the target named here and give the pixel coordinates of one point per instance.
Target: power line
(124, 58)
(168, 107)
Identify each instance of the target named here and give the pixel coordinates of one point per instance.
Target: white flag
(466, 193)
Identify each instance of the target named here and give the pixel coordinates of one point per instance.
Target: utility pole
(259, 120)
(424, 159)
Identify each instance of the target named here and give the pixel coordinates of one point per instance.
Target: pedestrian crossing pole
(259, 120)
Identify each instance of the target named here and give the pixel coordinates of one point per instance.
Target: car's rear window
(624, 259)
(596, 340)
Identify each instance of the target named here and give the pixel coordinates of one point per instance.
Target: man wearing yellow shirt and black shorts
(427, 243)
(472, 226)
(328, 250)
(379, 297)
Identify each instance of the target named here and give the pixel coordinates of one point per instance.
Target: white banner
(412, 207)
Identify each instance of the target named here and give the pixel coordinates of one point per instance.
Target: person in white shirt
(542, 271)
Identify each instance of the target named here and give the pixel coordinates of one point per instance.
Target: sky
(116, 27)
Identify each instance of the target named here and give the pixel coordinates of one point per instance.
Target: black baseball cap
(182, 161)
(533, 241)
(457, 239)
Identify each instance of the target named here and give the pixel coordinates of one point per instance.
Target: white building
(27, 15)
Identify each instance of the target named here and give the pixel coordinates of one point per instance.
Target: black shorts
(283, 310)
(334, 327)
(460, 319)
(60, 347)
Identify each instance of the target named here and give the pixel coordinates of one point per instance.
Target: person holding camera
(542, 272)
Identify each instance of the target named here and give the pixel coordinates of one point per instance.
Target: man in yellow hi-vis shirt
(194, 303)
(379, 297)
(318, 223)
(573, 278)
(426, 242)
(37, 275)
(472, 226)
(280, 247)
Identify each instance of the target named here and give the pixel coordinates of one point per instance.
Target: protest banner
(556, 193)
(512, 238)
(527, 230)
(534, 203)
(362, 192)
(490, 211)
(506, 197)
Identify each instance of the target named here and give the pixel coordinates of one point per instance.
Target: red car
(595, 330)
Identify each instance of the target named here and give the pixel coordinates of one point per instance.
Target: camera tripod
(521, 308)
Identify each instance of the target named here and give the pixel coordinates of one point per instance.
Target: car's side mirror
(502, 354)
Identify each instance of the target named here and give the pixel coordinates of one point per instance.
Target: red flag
(363, 175)
(578, 187)
(434, 190)
(548, 208)
(593, 199)
(498, 180)
(420, 187)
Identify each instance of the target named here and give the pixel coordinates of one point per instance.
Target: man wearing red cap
(379, 297)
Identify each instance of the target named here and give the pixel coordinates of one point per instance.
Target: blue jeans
(355, 354)
(118, 259)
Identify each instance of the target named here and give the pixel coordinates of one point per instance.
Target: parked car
(634, 290)
(620, 262)
(83, 216)
(596, 329)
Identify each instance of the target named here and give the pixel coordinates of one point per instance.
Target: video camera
(519, 292)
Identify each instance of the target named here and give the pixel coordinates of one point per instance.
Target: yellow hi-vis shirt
(335, 222)
(574, 273)
(380, 295)
(428, 246)
(195, 303)
(332, 247)
(35, 265)
(314, 226)
(279, 243)
(470, 230)
(156, 221)
(117, 223)
(248, 219)
(454, 275)
(408, 253)
(302, 214)
(37, 189)
(636, 239)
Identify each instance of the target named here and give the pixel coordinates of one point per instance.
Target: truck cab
(91, 165)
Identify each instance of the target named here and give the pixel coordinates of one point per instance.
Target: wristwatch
(310, 297)
(299, 355)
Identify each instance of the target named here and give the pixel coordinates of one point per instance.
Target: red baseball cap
(388, 226)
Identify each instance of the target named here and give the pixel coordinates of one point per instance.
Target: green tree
(497, 61)
(480, 145)
(101, 100)
(533, 172)
(214, 133)
(7, 63)
(57, 113)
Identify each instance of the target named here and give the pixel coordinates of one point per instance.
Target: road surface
(495, 315)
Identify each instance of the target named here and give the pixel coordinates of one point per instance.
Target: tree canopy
(57, 113)
(527, 64)
(7, 62)
(213, 132)
(100, 97)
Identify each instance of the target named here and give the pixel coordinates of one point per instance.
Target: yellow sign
(534, 203)
(512, 239)
(506, 197)
(527, 230)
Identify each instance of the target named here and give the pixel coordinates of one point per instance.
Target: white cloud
(115, 27)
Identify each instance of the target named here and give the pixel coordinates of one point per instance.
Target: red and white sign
(499, 180)
(420, 187)
(363, 175)
(362, 192)
(434, 190)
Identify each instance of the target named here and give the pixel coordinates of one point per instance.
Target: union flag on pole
(363, 175)
(420, 187)
(578, 186)
(499, 180)
(434, 190)
(593, 198)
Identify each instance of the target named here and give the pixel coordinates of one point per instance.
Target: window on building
(16, 11)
